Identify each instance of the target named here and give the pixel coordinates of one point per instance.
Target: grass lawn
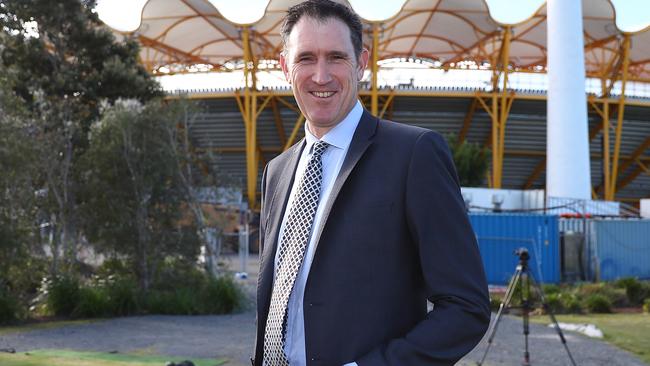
(628, 331)
(73, 358)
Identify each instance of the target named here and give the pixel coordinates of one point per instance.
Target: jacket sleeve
(450, 261)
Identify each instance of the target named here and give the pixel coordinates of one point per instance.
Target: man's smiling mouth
(323, 94)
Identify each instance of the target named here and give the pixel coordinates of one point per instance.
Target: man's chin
(323, 123)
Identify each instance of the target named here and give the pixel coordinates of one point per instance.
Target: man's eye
(305, 59)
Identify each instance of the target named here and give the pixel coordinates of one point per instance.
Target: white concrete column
(568, 173)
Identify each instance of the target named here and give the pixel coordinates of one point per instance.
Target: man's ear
(362, 63)
(285, 69)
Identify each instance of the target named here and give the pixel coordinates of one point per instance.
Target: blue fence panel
(622, 248)
(499, 235)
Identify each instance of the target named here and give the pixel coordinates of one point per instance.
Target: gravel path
(231, 337)
(546, 349)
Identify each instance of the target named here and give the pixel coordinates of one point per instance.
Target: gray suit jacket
(395, 234)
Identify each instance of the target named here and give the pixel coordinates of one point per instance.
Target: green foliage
(646, 305)
(133, 202)
(616, 296)
(8, 307)
(63, 295)
(471, 161)
(181, 291)
(58, 65)
(634, 289)
(100, 69)
(597, 303)
(122, 297)
(221, 296)
(571, 303)
(495, 302)
(554, 303)
(93, 303)
(550, 289)
(563, 303)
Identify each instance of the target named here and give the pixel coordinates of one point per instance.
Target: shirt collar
(341, 135)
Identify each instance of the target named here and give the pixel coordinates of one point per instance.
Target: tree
(471, 161)
(19, 241)
(134, 208)
(191, 181)
(64, 64)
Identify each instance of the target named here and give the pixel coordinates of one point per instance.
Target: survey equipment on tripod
(525, 279)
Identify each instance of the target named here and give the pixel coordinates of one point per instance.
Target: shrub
(634, 289)
(554, 302)
(646, 305)
(62, 295)
(8, 307)
(570, 303)
(221, 296)
(616, 296)
(182, 301)
(122, 297)
(93, 303)
(212, 296)
(495, 302)
(550, 289)
(597, 303)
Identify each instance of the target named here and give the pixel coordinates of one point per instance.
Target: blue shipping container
(499, 235)
(622, 248)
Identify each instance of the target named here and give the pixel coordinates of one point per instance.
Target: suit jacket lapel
(277, 206)
(360, 141)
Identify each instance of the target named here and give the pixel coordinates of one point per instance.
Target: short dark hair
(323, 10)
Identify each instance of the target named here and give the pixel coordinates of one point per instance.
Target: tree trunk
(143, 243)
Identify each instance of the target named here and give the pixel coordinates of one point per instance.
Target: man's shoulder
(282, 159)
(393, 130)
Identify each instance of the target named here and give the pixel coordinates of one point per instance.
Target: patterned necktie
(292, 252)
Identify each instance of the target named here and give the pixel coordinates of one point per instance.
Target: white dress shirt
(339, 139)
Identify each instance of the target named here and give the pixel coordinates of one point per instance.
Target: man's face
(322, 68)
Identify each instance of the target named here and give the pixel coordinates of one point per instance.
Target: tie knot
(319, 148)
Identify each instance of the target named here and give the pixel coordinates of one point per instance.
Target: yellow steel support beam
(288, 105)
(642, 166)
(539, 168)
(264, 104)
(495, 141)
(374, 68)
(467, 121)
(636, 154)
(619, 122)
(604, 126)
(629, 179)
(294, 132)
(250, 113)
(500, 107)
(387, 103)
(279, 125)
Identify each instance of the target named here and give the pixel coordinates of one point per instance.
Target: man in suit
(362, 222)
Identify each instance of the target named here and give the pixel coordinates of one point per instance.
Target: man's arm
(450, 261)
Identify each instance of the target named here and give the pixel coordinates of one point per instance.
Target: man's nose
(321, 73)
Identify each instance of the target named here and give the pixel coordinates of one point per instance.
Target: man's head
(323, 59)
